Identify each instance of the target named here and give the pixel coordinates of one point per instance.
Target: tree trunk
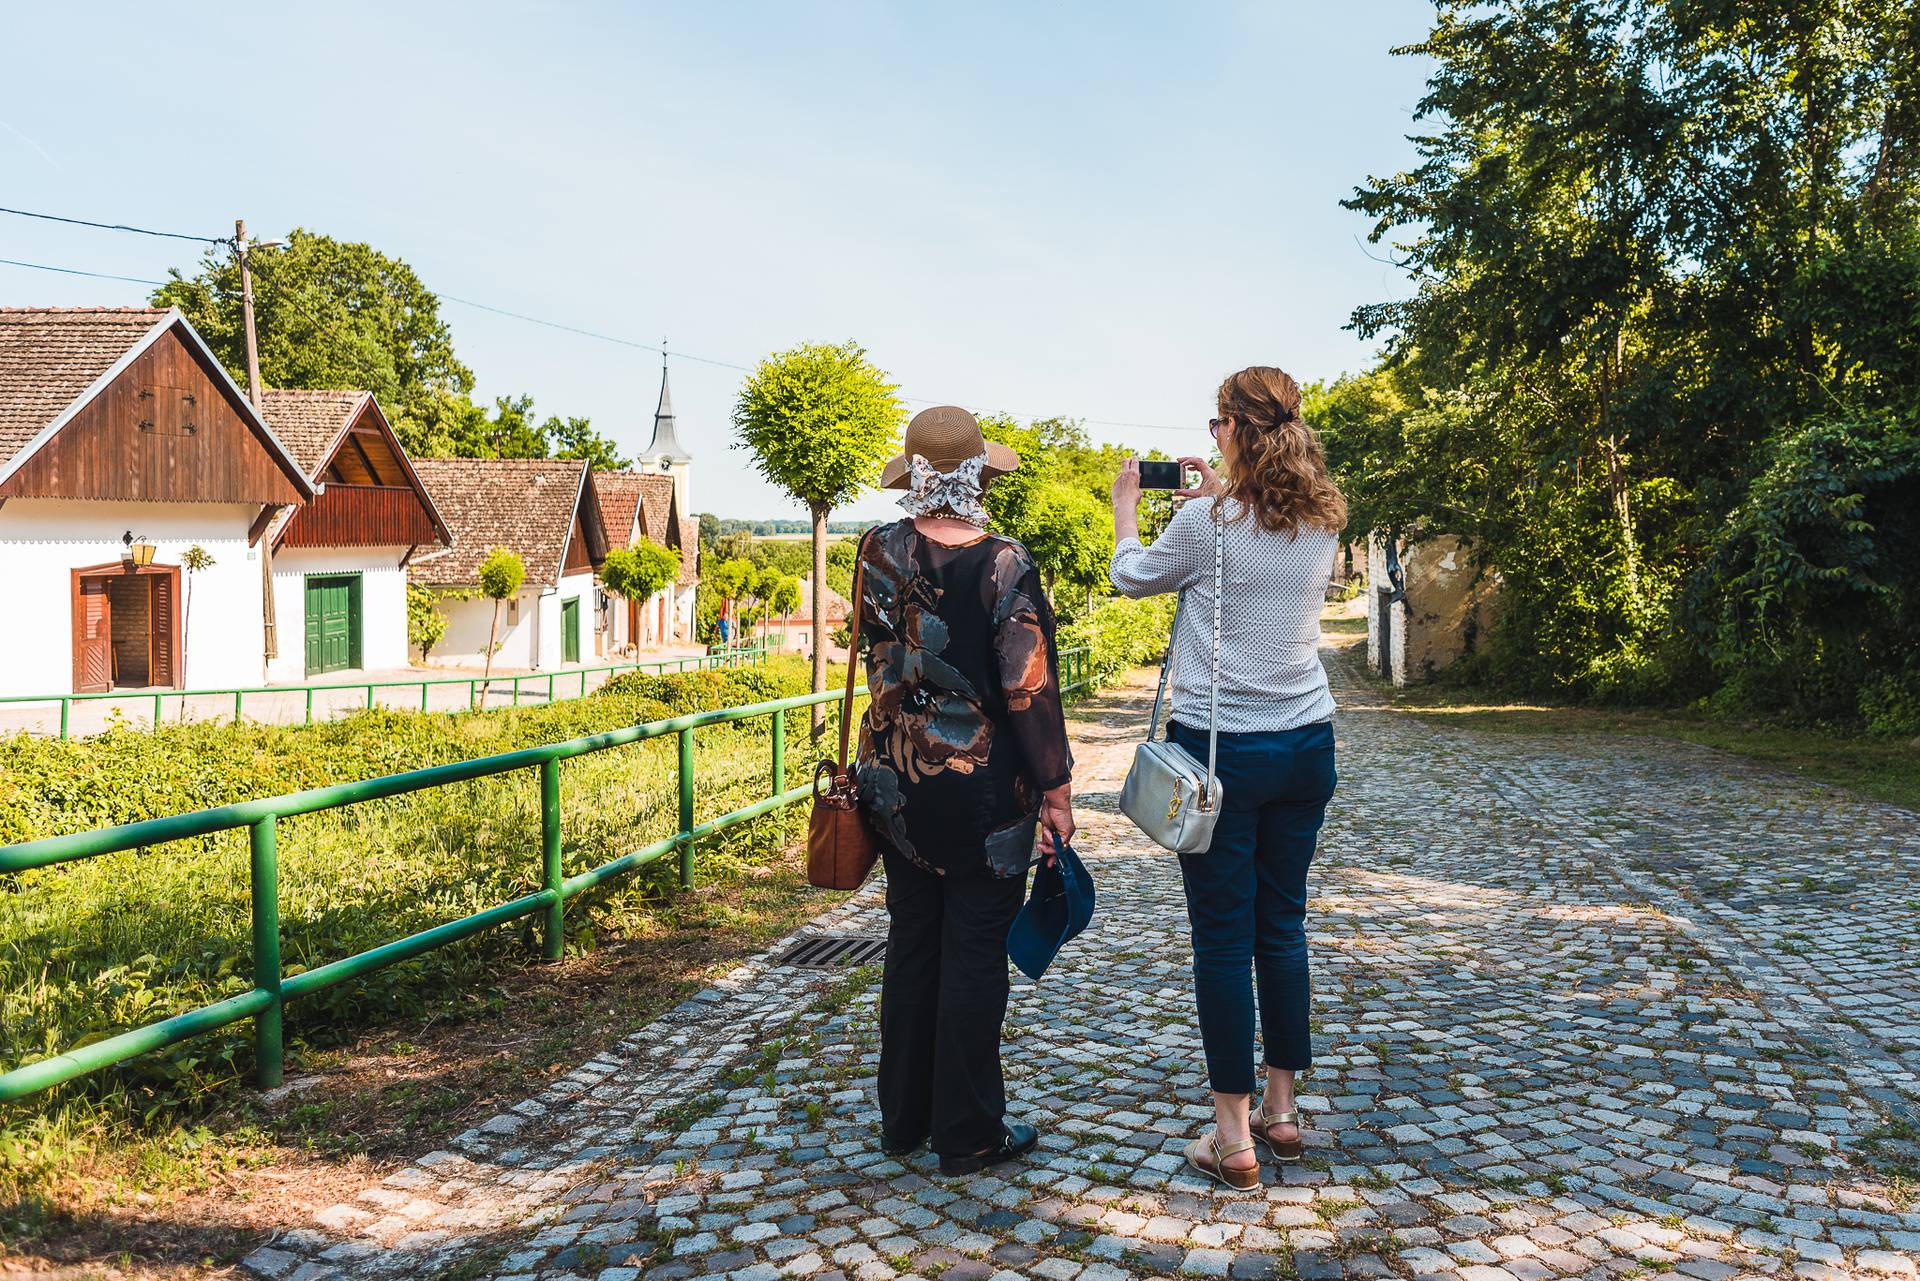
(493, 630)
(820, 615)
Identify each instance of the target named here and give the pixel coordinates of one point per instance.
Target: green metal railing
(271, 989)
(1076, 669)
(547, 684)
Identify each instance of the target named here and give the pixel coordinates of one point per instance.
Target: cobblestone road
(1601, 1008)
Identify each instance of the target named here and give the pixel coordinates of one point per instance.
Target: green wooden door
(570, 630)
(333, 622)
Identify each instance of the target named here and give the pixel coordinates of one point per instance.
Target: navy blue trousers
(1247, 897)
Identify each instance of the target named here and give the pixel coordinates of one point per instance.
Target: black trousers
(943, 1000)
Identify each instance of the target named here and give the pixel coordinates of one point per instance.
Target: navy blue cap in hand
(1059, 907)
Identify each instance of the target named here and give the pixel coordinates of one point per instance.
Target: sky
(1094, 210)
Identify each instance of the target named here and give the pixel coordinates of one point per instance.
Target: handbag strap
(853, 650)
(1155, 727)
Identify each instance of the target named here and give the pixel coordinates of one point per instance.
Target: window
(513, 610)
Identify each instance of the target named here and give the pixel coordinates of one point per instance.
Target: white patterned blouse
(1275, 586)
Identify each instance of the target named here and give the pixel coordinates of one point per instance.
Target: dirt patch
(194, 1202)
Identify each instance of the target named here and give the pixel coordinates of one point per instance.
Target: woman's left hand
(1056, 820)
(1126, 486)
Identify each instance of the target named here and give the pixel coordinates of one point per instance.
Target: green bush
(96, 947)
(1121, 633)
(1809, 597)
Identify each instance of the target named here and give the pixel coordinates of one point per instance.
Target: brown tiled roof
(307, 422)
(689, 549)
(524, 504)
(656, 506)
(50, 355)
(836, 603)
(620, 493)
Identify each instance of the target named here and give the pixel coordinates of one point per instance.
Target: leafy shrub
(1121, 633)
(1808, 598)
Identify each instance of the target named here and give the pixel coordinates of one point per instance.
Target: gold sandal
(1218, 1170)
(1289, 1150)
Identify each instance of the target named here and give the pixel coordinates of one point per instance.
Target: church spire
(665, 445)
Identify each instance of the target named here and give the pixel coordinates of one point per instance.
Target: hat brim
(1000, 461)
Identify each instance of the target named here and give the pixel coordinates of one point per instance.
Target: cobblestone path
(1584, 1008)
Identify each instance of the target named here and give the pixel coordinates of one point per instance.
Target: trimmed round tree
(638, 572)
(501, 574)
(820, 420)
(782, 596)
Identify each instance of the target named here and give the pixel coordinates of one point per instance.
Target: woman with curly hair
(1281, 517)
(964, 772)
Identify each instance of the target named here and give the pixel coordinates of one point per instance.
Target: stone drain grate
(836, 951)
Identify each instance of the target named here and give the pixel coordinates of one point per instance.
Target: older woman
(964, 770)
(1281, 517)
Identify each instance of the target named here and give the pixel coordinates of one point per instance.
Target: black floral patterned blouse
(964, 730)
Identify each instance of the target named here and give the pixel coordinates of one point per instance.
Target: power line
(72, 271)
(514, 315)
(589, 333)
(115, 226)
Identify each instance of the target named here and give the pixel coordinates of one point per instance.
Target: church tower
(665, 453)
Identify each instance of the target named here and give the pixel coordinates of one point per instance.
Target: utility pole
(270, 638)
(240, 251)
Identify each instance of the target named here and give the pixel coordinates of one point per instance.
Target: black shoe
(1017, 1139)
(899, 1147)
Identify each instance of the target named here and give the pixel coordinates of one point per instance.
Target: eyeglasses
(1215, 424)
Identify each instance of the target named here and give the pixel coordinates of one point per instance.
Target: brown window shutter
(165, 634)
(92, 666)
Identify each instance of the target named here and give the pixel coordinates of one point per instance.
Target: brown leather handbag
(841, 850)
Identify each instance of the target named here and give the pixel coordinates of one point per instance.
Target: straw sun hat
(945, 436)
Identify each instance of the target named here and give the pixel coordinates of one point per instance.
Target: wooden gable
(371, 496)
(580, 557)
(168, 428)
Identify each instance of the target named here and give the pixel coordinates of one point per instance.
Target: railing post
(469, 695)
(780, 751)
(550, 676)
(369, 698)
(686, 809)
(555, 936)
(423, 696)
(66, 706)
(309, 704)
(269, 1063)
(156, 711)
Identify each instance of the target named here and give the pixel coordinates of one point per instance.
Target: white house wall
(580, 585)
(42, 540)
(383, 605)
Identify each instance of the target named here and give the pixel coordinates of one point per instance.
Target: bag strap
(1155, 726)
(853, 649)
(1213, 693)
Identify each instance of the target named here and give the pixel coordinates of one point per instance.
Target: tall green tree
(1648, 241)
(329, 313)
(819, 421)
(340, 314)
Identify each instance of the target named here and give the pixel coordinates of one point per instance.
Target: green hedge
(96, 947)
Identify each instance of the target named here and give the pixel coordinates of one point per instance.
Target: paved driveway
(1597, 1008)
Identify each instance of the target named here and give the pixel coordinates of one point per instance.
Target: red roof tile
(308, 422)
(523, 504)
(49, 356)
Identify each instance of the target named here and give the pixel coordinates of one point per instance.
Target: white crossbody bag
(1168, 794)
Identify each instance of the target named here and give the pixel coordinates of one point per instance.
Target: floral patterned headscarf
(955, 493)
